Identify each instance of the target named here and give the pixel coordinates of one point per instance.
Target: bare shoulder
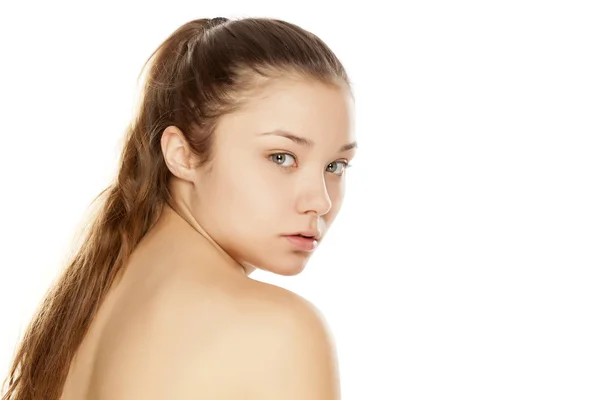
(291, 352)
(253, 340)
(266, 343)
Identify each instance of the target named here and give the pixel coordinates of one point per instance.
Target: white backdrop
(465, 262)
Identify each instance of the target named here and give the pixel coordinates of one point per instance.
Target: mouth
(314, 235)
(302, 242)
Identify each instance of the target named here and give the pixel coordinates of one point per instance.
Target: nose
(314, 196)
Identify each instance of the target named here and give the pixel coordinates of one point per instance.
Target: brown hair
(199, 73)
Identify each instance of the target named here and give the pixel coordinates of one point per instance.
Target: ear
(177, 153)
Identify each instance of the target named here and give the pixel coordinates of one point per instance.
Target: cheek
(258, 194)
(336, 188)
(336, 192)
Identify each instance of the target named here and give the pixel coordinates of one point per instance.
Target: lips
(309, 234)
(302, 243)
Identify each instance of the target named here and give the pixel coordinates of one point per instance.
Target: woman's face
(278, 169)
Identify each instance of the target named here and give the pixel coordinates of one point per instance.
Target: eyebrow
(306, 142)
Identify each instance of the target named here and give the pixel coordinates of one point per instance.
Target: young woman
(234, 161)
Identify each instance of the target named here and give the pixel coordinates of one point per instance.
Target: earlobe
(177, 154)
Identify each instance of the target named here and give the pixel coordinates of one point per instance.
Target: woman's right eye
(283, 159)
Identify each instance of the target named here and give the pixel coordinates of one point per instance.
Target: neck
(185, 214)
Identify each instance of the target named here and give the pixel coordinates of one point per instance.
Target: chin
(289, 266)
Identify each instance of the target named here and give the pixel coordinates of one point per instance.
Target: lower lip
(304, 244)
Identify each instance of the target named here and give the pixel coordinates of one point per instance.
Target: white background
(465, 262)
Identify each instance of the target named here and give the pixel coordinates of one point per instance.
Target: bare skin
(185, 321)
(136, 313)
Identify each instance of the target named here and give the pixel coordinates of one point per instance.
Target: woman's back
(128, 346)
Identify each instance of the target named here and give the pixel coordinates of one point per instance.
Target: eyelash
(343, 162)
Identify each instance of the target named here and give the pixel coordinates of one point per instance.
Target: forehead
(312, 109)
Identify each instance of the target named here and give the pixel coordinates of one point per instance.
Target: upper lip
(314, 234)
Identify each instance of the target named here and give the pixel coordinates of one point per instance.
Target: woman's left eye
(337, 167)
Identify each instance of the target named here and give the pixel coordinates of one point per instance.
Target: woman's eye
(337, 167)
(282, 159)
